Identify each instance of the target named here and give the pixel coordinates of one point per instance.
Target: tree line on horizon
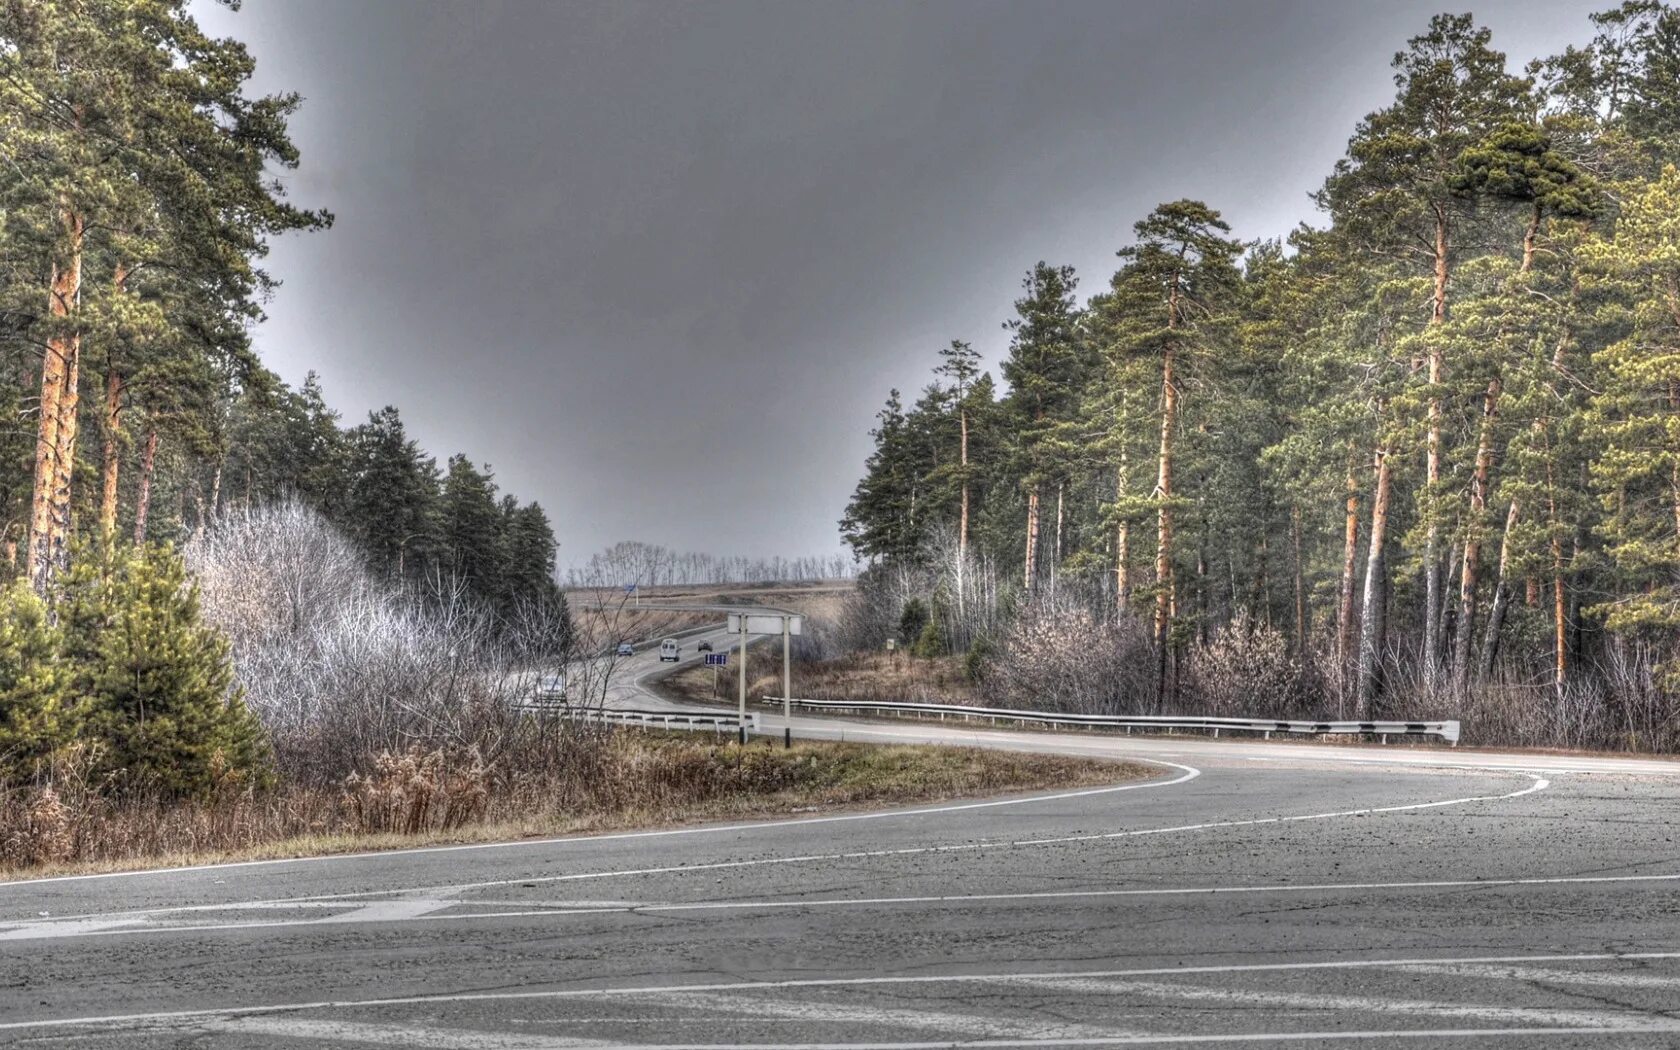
(631, 562)
(1438, 429)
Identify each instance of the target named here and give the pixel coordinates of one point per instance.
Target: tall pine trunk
(111, 450)
(1300, 582)
(1350, 557)
(49, 525)
(111, 454)
(1473, 538)
(1432, 535)
(1164, 519)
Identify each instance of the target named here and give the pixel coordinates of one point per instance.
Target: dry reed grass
(568, 781)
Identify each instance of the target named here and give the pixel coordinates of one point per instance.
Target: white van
(669, 651)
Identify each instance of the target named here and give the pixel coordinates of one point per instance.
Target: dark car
(704, 647)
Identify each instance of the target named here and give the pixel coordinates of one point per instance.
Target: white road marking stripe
(67, 928)
(1357, 1004)
(1535, 974)
(416, 1036)
(525, 909)
(1189, 773)
(1169, 1040)
(828, 1013)
(826, 982)
(1539, 784)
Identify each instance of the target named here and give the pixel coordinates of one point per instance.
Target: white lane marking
(1144, 746)
(634, 991)
(510, 909)
(838, 1013)
(1541, 975)
(416, 1036)
(49, 928)
(1358, 1004)
(1538, 784)
(1436, 1034)
(1188, 773)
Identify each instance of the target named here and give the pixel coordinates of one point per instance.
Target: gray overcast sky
(659, 264)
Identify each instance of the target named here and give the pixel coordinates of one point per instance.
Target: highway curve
(1252, 895)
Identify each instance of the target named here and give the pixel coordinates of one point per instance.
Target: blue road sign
(629, 587)
(717, 659)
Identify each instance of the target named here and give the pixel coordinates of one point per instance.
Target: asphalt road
(1253, 895)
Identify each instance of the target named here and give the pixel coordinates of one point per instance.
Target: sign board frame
(766, 623)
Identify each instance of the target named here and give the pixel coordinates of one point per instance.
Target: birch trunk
(1371, 622)
(1032, 535)
(143, 499)
(1501, 593)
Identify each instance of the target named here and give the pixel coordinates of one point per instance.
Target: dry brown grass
(856, 676)
(588, 782)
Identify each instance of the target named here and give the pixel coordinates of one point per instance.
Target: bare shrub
(419, 791)
(1245, 669)
(341, 665)
(1059, 657)
(35, 828)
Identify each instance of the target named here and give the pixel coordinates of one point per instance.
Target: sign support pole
(743, 695)
(787, 689)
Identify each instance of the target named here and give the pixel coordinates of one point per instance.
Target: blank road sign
(765, 623)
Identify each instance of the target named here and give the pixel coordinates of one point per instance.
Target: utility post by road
(787, 685)
(743, 703)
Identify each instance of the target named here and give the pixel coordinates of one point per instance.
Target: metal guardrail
(718, 721)
(1447, 731)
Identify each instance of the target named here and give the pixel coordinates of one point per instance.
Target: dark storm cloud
(659, 264)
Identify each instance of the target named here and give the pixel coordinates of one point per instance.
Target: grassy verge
(605, 782)
(855, 676)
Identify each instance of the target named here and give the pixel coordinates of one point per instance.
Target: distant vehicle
(704, 647)
(626, 649)
(551, 687)
(669, 651)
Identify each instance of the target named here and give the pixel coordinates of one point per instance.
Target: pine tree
(1638, 472)
(1171, 297)
(139, 135)
(390, 505)
(960, 363)
(157, 682)
(1395, 192)
(1045, 368)
(881, 519)
(472, 530)
(37, 715)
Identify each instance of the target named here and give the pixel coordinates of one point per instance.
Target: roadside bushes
(1057, 656)
(1245, 669)
(343, 665)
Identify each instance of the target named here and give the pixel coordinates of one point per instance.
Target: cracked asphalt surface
(1253, 895)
